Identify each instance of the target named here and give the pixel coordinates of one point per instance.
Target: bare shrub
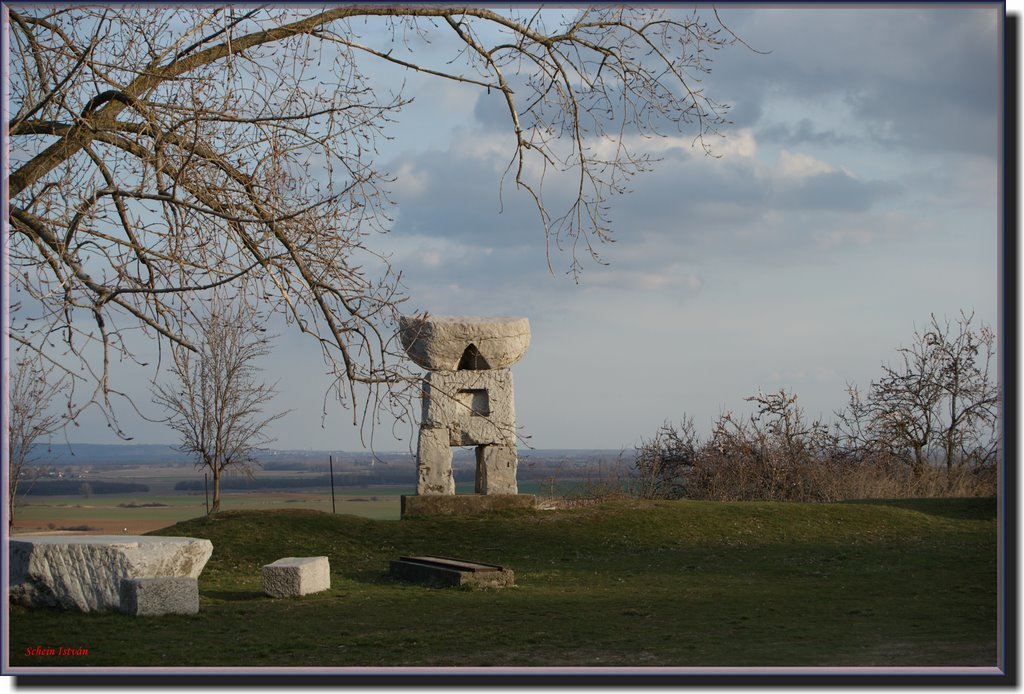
(776, 454)
(939, 404)
(662, 463)
(928, 427)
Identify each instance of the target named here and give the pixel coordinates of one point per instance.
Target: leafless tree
(662, 462)
(158, 152)
(939, 404)
(216, 400)
(30, 418)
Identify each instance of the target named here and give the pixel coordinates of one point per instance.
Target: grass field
(670, 584)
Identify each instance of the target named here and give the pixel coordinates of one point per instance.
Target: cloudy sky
(855, 193)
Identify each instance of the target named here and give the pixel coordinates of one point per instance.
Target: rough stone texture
(496, 470)
(443, 572)
(476, 407)
(465, 504)
(434, 462)
(441, 343)
(84, 572)
(152, 597)
(294, 576)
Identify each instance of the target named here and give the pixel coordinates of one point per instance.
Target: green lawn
(677, 584)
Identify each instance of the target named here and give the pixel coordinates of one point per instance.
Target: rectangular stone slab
(444, 572)
(84, 572)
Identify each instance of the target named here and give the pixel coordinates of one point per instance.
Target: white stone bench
(152, 597)
(294, 576)
(84, 572)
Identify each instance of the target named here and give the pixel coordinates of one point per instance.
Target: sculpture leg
(434, 463)
(496, 470)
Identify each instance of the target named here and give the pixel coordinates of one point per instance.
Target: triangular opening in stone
(472, 360)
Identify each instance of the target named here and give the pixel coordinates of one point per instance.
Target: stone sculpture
(467, 397)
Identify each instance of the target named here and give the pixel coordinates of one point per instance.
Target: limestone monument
(467, 397)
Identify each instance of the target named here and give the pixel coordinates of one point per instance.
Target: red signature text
(55, 652)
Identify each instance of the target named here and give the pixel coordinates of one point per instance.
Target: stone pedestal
(465, 504)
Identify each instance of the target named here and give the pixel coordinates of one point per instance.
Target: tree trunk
(919, 461)
(215, 506)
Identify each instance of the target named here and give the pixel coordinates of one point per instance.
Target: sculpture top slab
(455, 343)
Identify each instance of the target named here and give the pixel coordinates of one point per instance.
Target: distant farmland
(103, 491)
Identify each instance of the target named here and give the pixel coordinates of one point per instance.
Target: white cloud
(409, 182)
(431, 258)
(794, 166)
(477, 144)
(740, 144)
(663, 280)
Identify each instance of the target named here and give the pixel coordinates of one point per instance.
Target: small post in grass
(334, 510)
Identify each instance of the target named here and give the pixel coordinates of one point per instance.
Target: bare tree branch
(159, 154)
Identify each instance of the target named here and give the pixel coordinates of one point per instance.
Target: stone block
(476, 407)
(434, 462)
(84, 572)
(496, 470)
(450, 343)
(152, 597)
(294, 576)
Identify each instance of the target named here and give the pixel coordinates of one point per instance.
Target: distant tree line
(340, 480)
(927, 427)
(78, 487)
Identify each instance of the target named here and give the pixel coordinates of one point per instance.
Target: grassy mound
(680, 584)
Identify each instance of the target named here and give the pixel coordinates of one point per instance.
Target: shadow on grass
(233, 595)
(980, 508)
(376, 577)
